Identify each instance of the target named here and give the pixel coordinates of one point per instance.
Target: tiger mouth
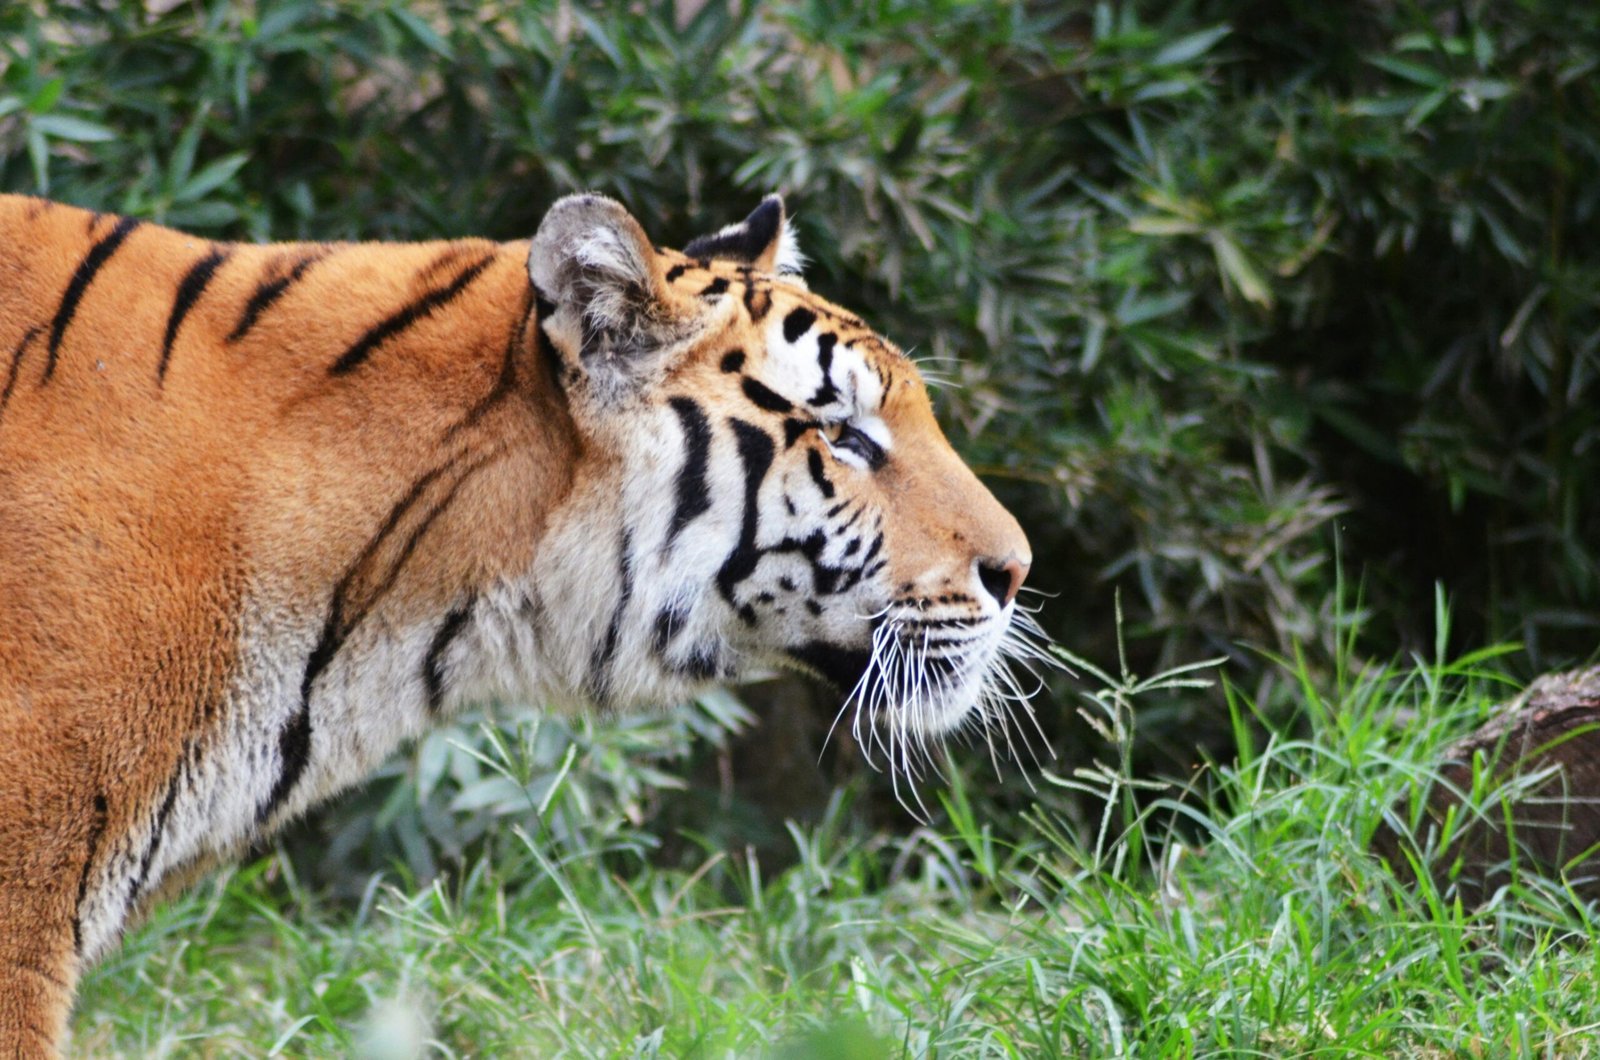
(901, 671)
(840, 666)
(923, 678)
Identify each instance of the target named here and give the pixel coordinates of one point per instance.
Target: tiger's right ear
(764, 240)
(604, 290)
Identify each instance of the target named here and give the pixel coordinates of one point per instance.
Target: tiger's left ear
(604, 298)
(765, 241)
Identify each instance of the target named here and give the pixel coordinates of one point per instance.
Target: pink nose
(1002, 578)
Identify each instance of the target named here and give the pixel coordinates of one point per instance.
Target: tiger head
(784, 493)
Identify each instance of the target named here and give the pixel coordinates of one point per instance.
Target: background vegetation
(1262, 929)
(1272, 316)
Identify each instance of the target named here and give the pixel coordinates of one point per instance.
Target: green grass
(1235, 914)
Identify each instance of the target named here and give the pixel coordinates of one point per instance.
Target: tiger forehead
(712, 277)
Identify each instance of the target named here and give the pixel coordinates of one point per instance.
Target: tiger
(269, 510)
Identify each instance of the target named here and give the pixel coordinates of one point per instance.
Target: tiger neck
(618, 607)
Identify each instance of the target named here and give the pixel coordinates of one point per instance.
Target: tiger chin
(266, 511)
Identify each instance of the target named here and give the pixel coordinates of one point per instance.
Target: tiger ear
(765, 240)
(604, 289)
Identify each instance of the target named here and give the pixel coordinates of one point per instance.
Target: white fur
(790, 261)
(620, 271)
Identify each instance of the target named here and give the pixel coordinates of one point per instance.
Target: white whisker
(922, 685)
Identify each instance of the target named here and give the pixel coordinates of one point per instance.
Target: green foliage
(459, 793)
(1206, 275)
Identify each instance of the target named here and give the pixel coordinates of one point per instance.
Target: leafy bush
(1209, 277)
(439, 805)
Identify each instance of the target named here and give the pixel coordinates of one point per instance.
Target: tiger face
(790, 498)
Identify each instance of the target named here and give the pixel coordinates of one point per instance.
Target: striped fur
(268, 511)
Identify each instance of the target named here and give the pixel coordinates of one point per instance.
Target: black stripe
(693, 494)
(406, 316)
(733, 360)
(97, 827)
(877, 545)
(16, 365)
(826, 579)
(826, 393)
(668, 621)
(190, 289)
(446, 259)
(347, 610)
(359, 591)
(765, 398)
(82, 277)
(412, 497)
(433, 662)
(605, 655)
(424, 525)
(268, 292)
(944, 641)
(676, 271)
(794, 428)
(294, 742)
(701, 664)
(508, 367)
(797, 323)
(136, 884)
(958, 622)
(755, 453)
(35, 968)
(814, 465)
(715, 287)
(361, 568)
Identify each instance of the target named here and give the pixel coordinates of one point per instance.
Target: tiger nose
(1002, 578)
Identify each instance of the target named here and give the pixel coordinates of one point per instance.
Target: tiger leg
(38, 970)
(37, 976)
(43, 854)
